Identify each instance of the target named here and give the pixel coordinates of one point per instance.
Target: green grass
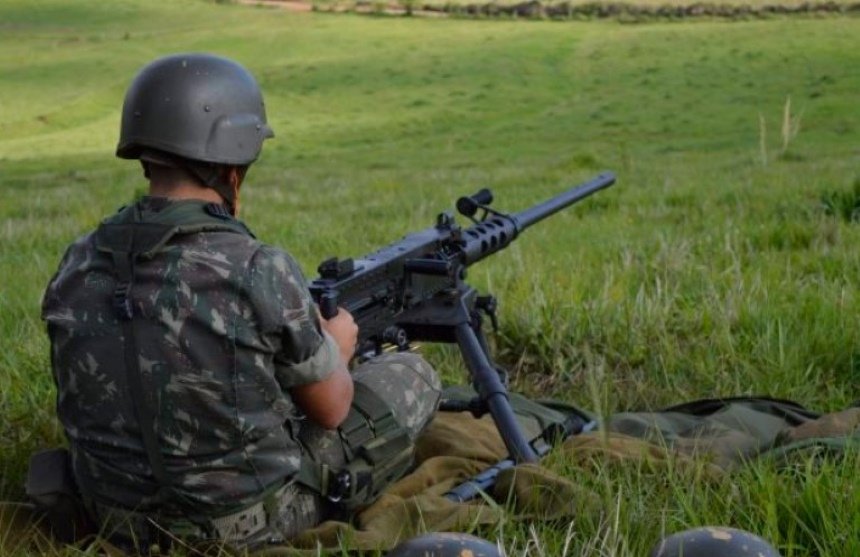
(714, 267)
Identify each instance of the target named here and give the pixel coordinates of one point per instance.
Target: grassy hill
(723, 262)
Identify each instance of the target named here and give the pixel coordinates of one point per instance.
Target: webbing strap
(124, 265)
(378, 450)
(372, 418)
(314, 475)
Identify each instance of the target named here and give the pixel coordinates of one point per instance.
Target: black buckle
(339, 485)
(122, 301)
(474, 405)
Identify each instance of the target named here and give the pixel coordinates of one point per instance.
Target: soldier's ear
(235, 175)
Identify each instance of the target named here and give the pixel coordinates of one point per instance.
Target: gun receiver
(415, 290)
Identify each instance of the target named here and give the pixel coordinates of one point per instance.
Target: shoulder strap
(124, 241)
(139, 394)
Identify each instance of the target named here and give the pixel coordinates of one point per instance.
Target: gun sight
(469, 205)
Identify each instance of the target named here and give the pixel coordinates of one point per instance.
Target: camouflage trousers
(410, 388)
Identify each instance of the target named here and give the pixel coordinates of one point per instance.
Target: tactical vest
(127, 238)
(50, 480)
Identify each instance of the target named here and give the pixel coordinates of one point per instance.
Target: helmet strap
(224, 179)
(235, 208)
(213, 176)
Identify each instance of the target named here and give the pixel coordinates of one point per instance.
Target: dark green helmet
(445, 544)
(196, 106)
(713, 541)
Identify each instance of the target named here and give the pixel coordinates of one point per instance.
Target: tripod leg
(493, 392)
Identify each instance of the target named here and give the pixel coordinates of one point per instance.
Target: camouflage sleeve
(289, 320)
(49, 297)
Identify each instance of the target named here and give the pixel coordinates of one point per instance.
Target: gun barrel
(526, 218)
(495, 233)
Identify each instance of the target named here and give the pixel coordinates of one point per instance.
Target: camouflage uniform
(224, 328)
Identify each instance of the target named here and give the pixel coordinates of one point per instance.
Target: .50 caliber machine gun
(415, 290)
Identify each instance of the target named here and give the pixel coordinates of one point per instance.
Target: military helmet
(713, 541)
(445, 544)
(196, 106)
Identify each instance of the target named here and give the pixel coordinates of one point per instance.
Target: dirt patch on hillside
(289, 5)
(535, 9)
(360, 7)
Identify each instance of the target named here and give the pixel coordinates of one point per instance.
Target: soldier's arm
(309, 359)
(327, 402)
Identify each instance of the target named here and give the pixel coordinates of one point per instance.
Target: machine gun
(415, 290)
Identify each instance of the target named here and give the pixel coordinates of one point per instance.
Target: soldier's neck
(184, 190)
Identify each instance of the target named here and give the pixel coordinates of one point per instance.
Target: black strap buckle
(339, 486)
(122, 301)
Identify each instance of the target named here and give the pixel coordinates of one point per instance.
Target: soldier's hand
(343, 329)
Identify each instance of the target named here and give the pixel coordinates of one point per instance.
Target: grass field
(724, 261)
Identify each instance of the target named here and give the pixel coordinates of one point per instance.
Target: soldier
(202, 395)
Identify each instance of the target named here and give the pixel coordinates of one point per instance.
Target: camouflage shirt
(224, 327)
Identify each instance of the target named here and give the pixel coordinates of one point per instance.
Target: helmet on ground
(196, 106)
(713, 541)
(445, 544)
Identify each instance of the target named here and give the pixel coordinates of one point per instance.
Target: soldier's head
(197, 115)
